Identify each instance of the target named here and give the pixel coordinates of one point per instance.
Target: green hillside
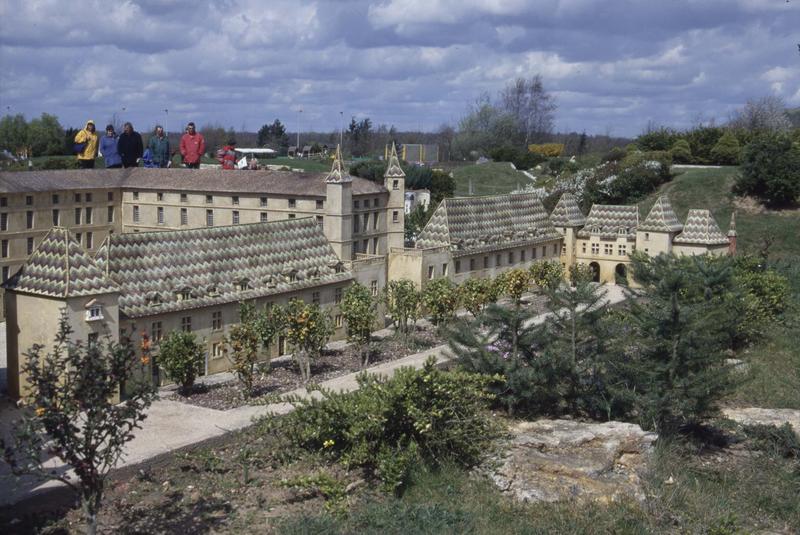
(491, 178)
(711, 188)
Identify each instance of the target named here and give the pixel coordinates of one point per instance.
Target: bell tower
(395, 182)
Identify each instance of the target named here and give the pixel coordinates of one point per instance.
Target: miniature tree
(547, 274)
(74, 417)
(358, 308)
(477, 294)
(308, 330)
(270, 322)
(440, 299)
(402, 303)
(242, 345)
(182, 358)
(515, 283)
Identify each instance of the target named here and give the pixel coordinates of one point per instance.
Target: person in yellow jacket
(88, 139)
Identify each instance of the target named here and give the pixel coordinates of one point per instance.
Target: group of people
(127, 149)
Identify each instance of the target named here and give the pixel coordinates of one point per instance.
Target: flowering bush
(308, 329)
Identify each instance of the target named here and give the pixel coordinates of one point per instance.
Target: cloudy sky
(613, 65)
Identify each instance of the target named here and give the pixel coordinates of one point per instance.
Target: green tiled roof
(701, 229)
(60, 267)
(610, 221)
(471, 224)
(185, 269)
(567, 213)
(661, 218)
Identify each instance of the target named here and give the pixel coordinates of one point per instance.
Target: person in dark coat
(129, 146)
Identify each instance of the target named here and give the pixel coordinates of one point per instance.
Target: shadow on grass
(176, 513)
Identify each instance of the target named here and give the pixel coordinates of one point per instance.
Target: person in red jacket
(192, 147)
(227, 155)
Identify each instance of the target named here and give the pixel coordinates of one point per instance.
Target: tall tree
(13, 132)
(767, 114)
(273, 134)
(531, 105)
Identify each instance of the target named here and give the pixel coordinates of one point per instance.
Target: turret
(338, 225)
(732, 234)
(395, 182)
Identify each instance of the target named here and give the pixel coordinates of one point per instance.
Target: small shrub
(551, 150)
(727, 150)
(402, 303)
(780, 441)
(681, 151)
(308, 329)
(770, 170)
(242, 345)
(440, 299)
(477, 293)
(181, 358)
(358, 309)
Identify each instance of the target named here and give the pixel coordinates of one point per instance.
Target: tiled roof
(567, 213)
(338, 175)
(661, 218)
(702, 229)
(197, 180)
(60, 267)
(470, 224)
(155, 268)
(393, 169)
(610, 221)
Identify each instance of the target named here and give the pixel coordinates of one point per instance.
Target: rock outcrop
(756, 415)
(550, 460)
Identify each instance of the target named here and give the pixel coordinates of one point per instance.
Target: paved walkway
(171, 425)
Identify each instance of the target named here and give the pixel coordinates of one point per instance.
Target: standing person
(108, 148)
(130, 146)
(227, 155)
(88, 138)
(159, 147)
(192, 147)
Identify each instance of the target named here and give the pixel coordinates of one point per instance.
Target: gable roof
(701, 228)
(471, 224)
(610, 220)
(154, 269)
(661, 218)
(567, 213)
(60, 267)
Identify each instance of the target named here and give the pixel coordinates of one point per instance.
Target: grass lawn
(492, 178)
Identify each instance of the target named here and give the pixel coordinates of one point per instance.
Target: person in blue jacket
(108, 148)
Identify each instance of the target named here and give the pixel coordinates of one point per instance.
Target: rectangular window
(338, 321)
(458, 266)
(608, 249)
(135, 195)
(56, 218)
(135, 214)
(373, 286)
(375, 221)
(263, 217)
(88, 215)
(430, 272)
(319, 204)
(395, 184)
(485, 262)
(216, 320)
(374, 245)
(263, 202)
(88, 197)
(544, 251)
(4, 221)
(646, 236)
(235, 200)
(5, 273)
(184, 217)
(356, 205)
(55, 198)
(533, 253)
(292, 216)
(110, 214)
(29, 200)
(355, 224)
(595, 248)
(315, 298)
(79, 237)
(186, 324)
(4, 249)
(160, 212)
(366, 203)
(472, 264)
(3, 202)
(583, 248)
(159, 196)
(209, 218)
(30, 245)
(235, 217)
(511, 257)
(522, 255)
(110, 196)
(209, 199)
(622, 250)
(395, 216)
(78, 212)
(337, 296)
(319, 220)
(498, 260)
(89, 240)
(216, 350)
(563, 251)
(292, 203)
(444, 270)
(156, 332)
(555, 249)
(29, 219)
(184, 197)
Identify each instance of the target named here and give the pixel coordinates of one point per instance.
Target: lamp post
(299, 111)
(166, 120)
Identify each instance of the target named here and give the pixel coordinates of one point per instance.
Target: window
(485, 262)
(3, 202)
(89, 240)
(511, 257)
(595, 248)
(498, 260)
(184, 217)
(373, 286)
(216, 350)
(135, 213)
(94, 312)
(209, 218)
(533, 253)
(338, 321)
(622, 250)
(292, 203)
(216, 320)
(374, 245)
(355, 224)
(160, 212)
(79, 237)
(263, 202)
(4, 249)
(315, 298)
(366, 203)
(184, 294)
(356, 205)
(395, 216)
(522, 255)
(458, 266)
(375, 221)
(430, 272)
(209, 199)
(156, 332)
(110, 196)
(4, 221)
(292, 216)
(319, 220)
(235, 217)
(583, 247)
(55, 198)
(88, 215)
(646, 236)
(263, 217)
(563, 251)
(186, 324)
(555, 248)
(56, 219)
(235, 200)
(29, 200)
(243, 285)
(135, 195)
(29, 219)
(78, 212)
(92, 339)
(472, 264)
(319, 204)
(159, 196)
(337, 296)
(184, 197)
(30, 245)
(444, 270)
(395, 184)
(110, 214)
(608, 249)
(5, 273)
(88, 197)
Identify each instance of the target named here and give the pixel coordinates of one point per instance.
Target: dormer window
(212, 290)
(622, 231)
(154, 299)
(293, 275)
(243, 285)
(94, 311)
(184, 294)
